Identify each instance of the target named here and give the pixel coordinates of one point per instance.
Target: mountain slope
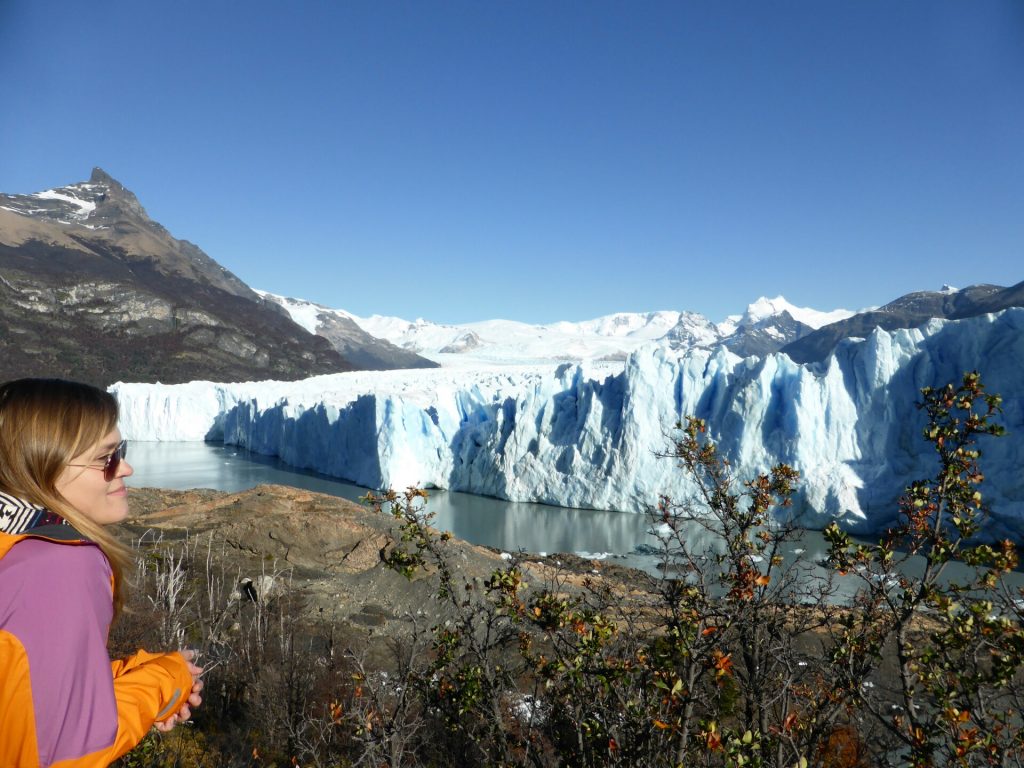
(341, 330)
(908, 311)
(92, 288)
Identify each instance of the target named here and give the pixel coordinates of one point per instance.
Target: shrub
(956, 644)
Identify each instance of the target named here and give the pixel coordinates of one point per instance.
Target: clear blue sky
(542, 160)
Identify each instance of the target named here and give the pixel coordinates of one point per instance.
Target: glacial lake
(508, 526)
(614, 537)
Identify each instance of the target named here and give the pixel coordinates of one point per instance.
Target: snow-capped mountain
(693, 331)
(764, 309)
(102, 211)
(766, 326)
(585, 435)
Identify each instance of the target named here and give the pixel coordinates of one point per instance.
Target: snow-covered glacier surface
(587, 435)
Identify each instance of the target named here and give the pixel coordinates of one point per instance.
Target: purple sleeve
(56, 600)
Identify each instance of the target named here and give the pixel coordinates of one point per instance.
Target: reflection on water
(509, 526)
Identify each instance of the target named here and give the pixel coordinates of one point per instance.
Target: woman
(62, 702)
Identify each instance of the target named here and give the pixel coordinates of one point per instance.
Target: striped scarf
(20, 516)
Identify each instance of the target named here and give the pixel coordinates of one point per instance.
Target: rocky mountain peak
(692, 330)
(99, 176)
(767, 333)
(114, 196)
(764, 308)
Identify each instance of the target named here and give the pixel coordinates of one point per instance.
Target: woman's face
(85, 489)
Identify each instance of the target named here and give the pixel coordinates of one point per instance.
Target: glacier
(587, 434)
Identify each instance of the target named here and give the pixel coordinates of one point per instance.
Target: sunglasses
(112, 462)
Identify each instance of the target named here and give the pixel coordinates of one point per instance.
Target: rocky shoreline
(330, 550)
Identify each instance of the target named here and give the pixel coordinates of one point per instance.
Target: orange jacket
(63, 704)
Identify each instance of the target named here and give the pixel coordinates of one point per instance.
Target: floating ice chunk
(662, 532)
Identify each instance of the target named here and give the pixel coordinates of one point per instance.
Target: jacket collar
(18, 516)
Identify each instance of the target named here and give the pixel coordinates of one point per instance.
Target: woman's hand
(193, 700)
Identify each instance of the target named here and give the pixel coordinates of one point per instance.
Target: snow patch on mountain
(74, 204)
(302, 312)
(764, 308)
(84, 206)
(497, 342)
(634, 325)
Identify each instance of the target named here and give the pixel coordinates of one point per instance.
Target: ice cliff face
(586, 436)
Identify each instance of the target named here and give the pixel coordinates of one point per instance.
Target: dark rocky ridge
(91, 288)
(908, 311)
(751, 338)
(766, 336)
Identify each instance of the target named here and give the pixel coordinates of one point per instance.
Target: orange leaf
(722, 663)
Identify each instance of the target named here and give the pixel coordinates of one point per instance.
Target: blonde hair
(44, 425)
